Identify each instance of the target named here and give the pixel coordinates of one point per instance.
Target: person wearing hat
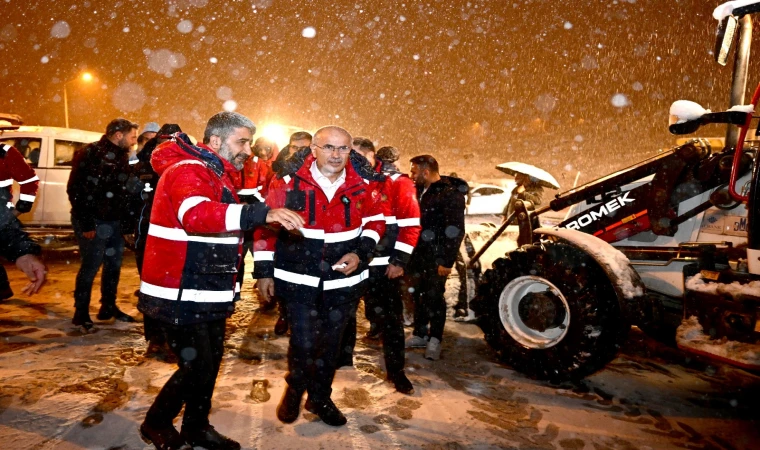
(148, 133)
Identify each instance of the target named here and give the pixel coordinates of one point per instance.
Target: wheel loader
(670, 244)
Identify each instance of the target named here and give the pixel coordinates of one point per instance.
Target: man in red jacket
(13, 166)
(321, 269)
(392, 254)
(191, 264)
(254, 181)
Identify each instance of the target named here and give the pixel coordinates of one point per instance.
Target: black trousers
(383, 299)
(199, 348)
(429, 302)
(5, 285)
(105, 249)
(315, 340)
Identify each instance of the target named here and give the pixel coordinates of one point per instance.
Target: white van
(49, 151)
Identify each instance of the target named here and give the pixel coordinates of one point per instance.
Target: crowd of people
(330, 220)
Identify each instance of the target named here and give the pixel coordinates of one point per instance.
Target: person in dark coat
(16, 246)
(442, 204)
(98, 190)
(527, 189)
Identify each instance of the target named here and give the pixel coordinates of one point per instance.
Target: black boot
(401, 382)
(82, 319)
(281, 327)
(327, 411)
(113, 312)
(208, 438)
(290, 406)
(163, 438)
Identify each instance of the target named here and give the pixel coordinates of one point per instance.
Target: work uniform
(342, 217)
(190, 269)
(383, 297)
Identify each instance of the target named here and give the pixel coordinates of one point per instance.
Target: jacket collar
(304, 172)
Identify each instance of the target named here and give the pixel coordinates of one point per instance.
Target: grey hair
(225, 123)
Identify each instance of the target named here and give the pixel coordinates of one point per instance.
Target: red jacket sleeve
(25, 176)
(192, 197)
(373, 220)
(265, 238)
(406, 209)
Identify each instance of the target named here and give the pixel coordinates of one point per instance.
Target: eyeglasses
(343, 149)
(295, 148)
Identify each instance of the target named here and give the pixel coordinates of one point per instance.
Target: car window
(29, 148)
(64, 152)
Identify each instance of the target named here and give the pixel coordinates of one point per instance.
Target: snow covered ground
(60, 389)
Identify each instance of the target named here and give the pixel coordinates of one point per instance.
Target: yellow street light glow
(275, 132)
(87, 76)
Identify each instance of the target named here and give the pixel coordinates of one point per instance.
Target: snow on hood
(743, 108)
(735, 289)
(726, 9)
(686, 110)
(691, 336)
(611, 259)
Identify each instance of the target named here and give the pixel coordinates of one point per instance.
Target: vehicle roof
(55, 132)
(503, 188)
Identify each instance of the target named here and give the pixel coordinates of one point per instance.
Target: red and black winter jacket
(301, 261)
(194, 239)
(402, 225)
(13, 166)
(254, 179)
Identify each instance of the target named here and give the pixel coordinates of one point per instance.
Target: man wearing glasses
(321, 270)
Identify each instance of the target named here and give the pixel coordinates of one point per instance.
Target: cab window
(29, 148)
(64, 152)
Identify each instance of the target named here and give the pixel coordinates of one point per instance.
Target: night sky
(569, 85)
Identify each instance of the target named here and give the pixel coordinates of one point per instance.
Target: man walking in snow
(189, 274)
(321, 269)
(442, 205)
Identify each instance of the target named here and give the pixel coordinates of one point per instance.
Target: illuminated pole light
(87, 77)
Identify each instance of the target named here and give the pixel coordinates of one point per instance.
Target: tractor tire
(551, 312)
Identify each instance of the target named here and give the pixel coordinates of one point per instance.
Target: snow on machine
(671, 244)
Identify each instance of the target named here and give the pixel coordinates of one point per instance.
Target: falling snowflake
(60, 30)
(619, 101)
(185, 26)
(309, 32)
(230, 105)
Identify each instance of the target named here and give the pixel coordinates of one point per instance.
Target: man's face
(126, 139)
(264, 149)
(298, 144)
(334, 161)
(149, 135)
(369, 154)
(417, 175)
(236, 148)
